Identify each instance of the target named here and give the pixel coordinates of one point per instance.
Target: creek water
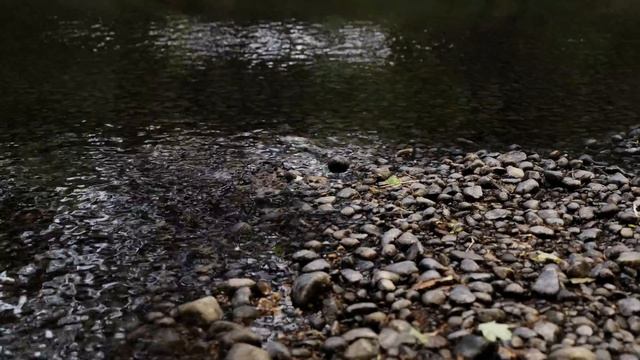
(123, 124)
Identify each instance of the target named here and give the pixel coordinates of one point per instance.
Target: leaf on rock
(541, 257)
(422, 338)
(584, 280)
(428, 284)
(493, 331)
(393, 181)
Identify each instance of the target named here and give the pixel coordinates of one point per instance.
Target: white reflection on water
(273, 43)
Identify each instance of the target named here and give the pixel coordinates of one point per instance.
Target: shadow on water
(119, 169)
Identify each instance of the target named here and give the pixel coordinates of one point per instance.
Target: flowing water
(128, 129)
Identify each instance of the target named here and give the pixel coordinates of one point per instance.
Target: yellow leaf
(493, 331)
(544, 257)
(585, 280)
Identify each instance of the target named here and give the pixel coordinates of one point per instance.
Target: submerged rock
(205, 310)
(308, 288)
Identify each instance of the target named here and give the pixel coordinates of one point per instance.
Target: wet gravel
(258, 248)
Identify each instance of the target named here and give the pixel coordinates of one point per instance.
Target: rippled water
(126, 127)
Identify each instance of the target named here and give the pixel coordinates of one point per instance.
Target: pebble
(548, 283)
(362, 349)
(461, 294)
(572, 353)
(242, 351)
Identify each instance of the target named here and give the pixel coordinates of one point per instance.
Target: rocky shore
(432, 254)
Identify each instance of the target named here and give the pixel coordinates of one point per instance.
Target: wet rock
(308, 288)
(548, 282)
(242, 351)
(474, 347)
(205, 310)
(527, 186)
(362, 349)
(461, 255)
(338, 164)
(241, 228)
(468, 265)
(617, 179)
(166, 341)
(305, 255)
(572, 353)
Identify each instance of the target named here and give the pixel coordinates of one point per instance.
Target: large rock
(572, 353)
(309, 287)
(242, 351)
(629, 306)
(205, 310)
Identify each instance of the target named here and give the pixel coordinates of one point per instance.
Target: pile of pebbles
(405, 255)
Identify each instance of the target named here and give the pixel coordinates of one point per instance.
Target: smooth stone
(366, 253)
(473, 192)
(241, 335)
(390, 236)
(334, 344)
(362, 349)
(351, 275)
(461, 255)
(548, 282)
(402, 268)
(548, 330)
(362, 308)
(472, 347)
(541, 231)
(515, 172)
(348, 211)
(496, 214)
(338, 164)
(206, 309)
(305, 255)
(316, 265)
(277, 351)
(309, 287)
(462, 295)
(572, 353)
(359, 333)
(241, 351)
(434, 297)
(431, 264)
(589, 234)
(346, 193)
(629, 258)
(468, 265)
(407, 238)
(242, 296)
(527, 186)
(629, 306)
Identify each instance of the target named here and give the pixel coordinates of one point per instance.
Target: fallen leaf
(585, 280)
(428, 284)
(493, 331)
(393, 181)
(541, 256)
(422, 338)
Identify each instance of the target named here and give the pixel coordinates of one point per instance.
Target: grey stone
(541, 231)
(572, 353)
(527, 186)
(462, 295)
(548, 282)
(496, 214)
(403, 268)
(317, 265)
(206, 310)
(629, 306)
(362, 349)
(473, 192)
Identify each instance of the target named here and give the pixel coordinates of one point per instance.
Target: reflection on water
(270, 43)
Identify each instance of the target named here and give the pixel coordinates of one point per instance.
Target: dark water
(128, 127)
